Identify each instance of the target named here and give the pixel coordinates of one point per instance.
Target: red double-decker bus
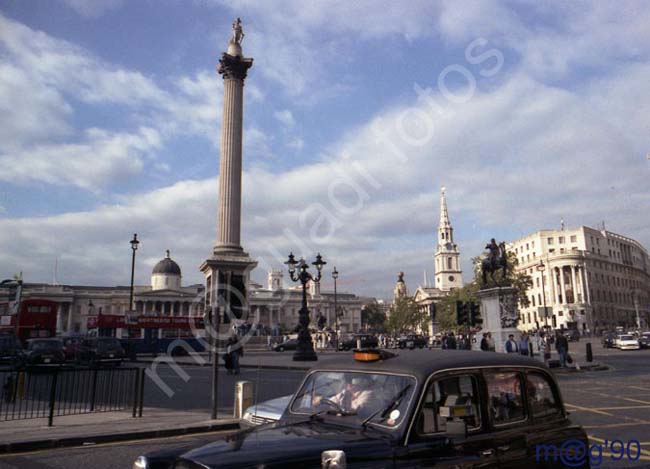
(35, 318)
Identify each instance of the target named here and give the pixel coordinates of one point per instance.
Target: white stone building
(165, 307)
(592, 279)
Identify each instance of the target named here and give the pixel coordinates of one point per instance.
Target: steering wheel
(334, 405)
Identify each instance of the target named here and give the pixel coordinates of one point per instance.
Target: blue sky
(356, 113)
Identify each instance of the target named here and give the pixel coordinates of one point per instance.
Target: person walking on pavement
(511, 344)
(523, 344)
(484, 342)
(562, 347)
(451, 341)
(234, 350)
(492, 347)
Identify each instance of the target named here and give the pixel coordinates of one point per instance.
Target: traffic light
(462, 313)
(475, 314)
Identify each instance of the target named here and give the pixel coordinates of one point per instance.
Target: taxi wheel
(281, 349)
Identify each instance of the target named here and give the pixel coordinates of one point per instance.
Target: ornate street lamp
(541, 268)
(335, 275)
(134, 247)
(298, 273)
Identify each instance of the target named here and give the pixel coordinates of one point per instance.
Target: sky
(356, 114)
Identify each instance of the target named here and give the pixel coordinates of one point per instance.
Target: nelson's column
(227, 270)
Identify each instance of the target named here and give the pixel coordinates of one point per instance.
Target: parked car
(265, 412)
(412, 341)
(101, 351)
(644, 340)
(45, 351)
(11, 351)
(627, 342)
(290, 344)
(367, 340)
(459, 409)
(72, 348)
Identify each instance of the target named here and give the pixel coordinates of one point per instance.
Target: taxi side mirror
(333, 459)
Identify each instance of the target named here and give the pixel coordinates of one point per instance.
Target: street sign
(542, 314)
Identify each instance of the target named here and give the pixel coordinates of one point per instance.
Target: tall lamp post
(335, 275)
(541, 268)
(636, 309)
(134, 247)
(305, 348)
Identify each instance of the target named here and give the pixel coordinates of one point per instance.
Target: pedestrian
(234, 350)
(484, 342)
(451, 341)
(511, 344)
(562, 347)
(490, 343)
(523, 344)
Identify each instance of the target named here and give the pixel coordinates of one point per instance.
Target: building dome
(166, 267)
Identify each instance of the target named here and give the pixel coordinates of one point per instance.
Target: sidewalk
(284, 360)
(78, 430)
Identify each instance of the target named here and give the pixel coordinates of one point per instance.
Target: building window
(560, 240)
(574, 239)
(549, 240)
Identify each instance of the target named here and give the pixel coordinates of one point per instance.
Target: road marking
(639, 387)
(588, 409)
(625, 407)
(613, 396)
(616, 425)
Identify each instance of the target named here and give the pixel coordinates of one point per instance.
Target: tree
(406, 315)
(373, 316)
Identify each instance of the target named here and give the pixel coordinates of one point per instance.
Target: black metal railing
(48, 392)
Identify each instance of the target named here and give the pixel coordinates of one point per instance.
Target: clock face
(448, 246)
(451, 278)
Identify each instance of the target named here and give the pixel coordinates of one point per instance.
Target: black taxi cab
(452, 409)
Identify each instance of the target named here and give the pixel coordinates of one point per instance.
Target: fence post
(136, 389)
(141, 393)
(93, 390)
(50, 418)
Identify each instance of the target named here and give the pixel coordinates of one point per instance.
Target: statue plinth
(500, 315)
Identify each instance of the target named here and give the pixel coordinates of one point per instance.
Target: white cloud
(100, 158)
(39, 79)
(285, 117)
(93, 8)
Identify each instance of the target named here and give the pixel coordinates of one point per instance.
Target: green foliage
(373, 315)
(405, 316)
(446, 308)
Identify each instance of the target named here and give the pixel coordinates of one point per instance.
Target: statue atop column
(237, 32)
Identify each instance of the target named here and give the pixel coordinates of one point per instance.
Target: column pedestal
(500, 315)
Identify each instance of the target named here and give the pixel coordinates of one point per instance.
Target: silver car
(265, 412)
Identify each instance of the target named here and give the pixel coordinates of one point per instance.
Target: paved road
(194, 393)
(612, 405)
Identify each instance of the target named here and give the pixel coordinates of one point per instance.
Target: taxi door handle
(487, 452)
(503, 448)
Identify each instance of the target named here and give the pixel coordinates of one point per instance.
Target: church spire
(445, 231)
(447, 257)
(444, 214)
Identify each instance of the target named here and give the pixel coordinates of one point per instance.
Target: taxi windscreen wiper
(384, 411)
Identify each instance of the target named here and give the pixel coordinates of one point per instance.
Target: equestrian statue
(496, 260)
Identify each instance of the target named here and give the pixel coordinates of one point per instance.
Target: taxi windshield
(380, 399)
